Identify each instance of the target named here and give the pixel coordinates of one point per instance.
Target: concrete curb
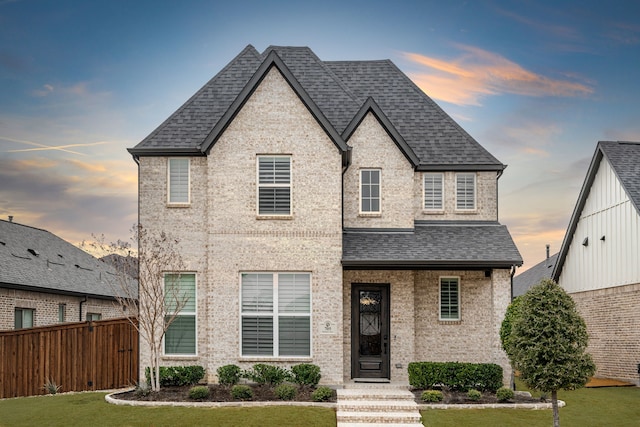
(533, 406)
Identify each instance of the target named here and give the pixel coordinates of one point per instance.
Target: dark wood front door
(370, 331)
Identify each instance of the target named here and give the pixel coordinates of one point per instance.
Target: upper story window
(433, 191)
(178, 181)
(180, 301)
(370, 191)
(466, 191)
(24, 318)
(449, 298)
(274, 185)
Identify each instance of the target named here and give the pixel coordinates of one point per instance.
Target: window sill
(434, 212)
(449, 322)
(370, 215)
(180, 357)
(178, 205)
(276, 359)
(274, 217)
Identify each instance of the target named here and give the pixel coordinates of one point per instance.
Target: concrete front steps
(368, 405)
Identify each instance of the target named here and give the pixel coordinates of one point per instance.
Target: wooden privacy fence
(75, 356)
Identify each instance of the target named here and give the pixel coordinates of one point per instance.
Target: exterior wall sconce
(585, 242)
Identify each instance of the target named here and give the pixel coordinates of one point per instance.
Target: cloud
(624, 34)
(477, 73)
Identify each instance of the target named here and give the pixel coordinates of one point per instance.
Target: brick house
(329, 213)
(45, 280)
(599, 261)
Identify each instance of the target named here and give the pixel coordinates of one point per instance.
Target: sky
(537, 83)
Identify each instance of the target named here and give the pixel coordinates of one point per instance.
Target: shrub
(285, 392)
(504, 394)
(431, 396)
(229, 374)
(322, 394)
(51, 387)
(199, 392)
(306, 374)
(457, 376)
(474, 395)
(178, 375)
(267, 374)
(241, 392)
(143, 389)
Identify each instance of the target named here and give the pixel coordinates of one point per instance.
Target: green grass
(611, 406)
(90, 409)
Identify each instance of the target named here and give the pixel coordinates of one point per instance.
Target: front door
(370, 331)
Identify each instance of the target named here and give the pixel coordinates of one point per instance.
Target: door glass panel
(370, 333)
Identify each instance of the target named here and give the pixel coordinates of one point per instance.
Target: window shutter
(274, 185)
(449, 299)
(433, 191)
(257, 336)
(294, 295)
(257, 293)
(465, 191)
(295, 336)
(178, 180)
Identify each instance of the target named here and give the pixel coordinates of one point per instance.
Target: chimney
(548, 246)
(10, 218)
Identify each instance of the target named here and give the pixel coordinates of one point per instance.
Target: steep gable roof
(624, 158)
(37, 260)
(524, 281)
(335, 92)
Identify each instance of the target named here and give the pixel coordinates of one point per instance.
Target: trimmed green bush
(456, 376)
(433, 396)
(199, 392)
(285, 391)
(241, 392)
(267, 374)
(322, 394)
(229, 374)
(178, 375)
(504, 394)
(306, 374)
(474, 395)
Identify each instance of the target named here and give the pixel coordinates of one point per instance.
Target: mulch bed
(217, 393)
(459, 397)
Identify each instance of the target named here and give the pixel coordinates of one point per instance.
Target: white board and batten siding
(614, 261)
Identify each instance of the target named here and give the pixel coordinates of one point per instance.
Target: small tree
(547, 343)
(150, 301)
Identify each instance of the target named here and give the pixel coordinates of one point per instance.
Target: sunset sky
(537, 83)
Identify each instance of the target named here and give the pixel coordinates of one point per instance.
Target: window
(465, 191)
(178, 177)
(276, 314)
(433, 195)
(274, 185)
(449, 298)
(62, 312)
(24, 318)
(94, 316)
(370, 191)
(180, 294)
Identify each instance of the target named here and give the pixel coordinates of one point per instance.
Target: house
(45, 280)
(329, 213)
(534, 275)
(599, 261)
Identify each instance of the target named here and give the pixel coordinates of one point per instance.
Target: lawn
(617, 406)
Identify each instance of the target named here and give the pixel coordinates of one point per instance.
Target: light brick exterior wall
(612, 316)
(416, 332)
(46, 307)
(486, 199)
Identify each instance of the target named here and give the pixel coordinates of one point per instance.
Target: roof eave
(461, 167)
(165, 151)
(54, 291)
(429, 264)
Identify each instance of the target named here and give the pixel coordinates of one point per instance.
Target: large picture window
(370, 191)
(433, 194)
(180, 290)
(178, 180)
(465, 191)
(276, 314)
(274, 185)
(449, 298)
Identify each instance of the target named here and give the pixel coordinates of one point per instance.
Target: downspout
(82, 302)
(513, 272)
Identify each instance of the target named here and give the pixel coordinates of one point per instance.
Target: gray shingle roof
(35, 259)
(543, 270)
(338, 89)
(624, 158)
(432, 245)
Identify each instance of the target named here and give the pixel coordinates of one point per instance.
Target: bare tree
(152, 300)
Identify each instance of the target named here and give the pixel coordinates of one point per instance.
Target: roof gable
(624, 159)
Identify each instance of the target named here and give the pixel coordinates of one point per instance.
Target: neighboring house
(534, 275)
(599, 262)
(45, 280)
(330, 213)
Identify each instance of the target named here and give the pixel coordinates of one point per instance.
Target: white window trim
(370, 213)
(178, 204)
(188, 313)
(440, 299)
(290, 186)
(475, 192)
(274, 315)
(424, 189)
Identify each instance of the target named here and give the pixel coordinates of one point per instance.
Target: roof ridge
(25, 225)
